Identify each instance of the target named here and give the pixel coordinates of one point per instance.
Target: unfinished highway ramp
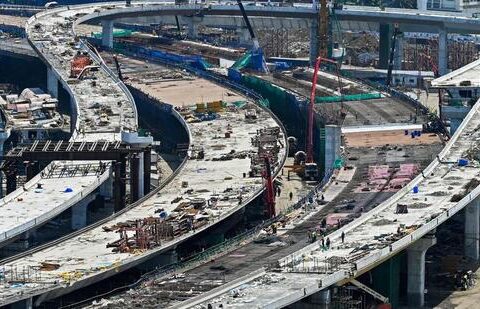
(209, 187)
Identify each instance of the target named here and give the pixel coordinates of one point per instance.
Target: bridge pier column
(192, 27)
(243, 36)
(33, 168)
(397, 62)
(147, 169)
(321, 299)
(313, 40)
(107, 33)
(416, 270)
(23, 304)
(134, 178)
(106, 189)
(422, 5)
(442, 52)
(79, 212)
(52, 83)
(11, 176)
(119, 185)
(385, 32)
(472, 229)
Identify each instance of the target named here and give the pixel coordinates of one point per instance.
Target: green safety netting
(242, 62)
(338, 163)
(348, 97)
(264, 103)
(117, 33)
(239, 104)
(455, 102)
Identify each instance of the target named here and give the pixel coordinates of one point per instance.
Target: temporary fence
(348, 97)
(117, 33)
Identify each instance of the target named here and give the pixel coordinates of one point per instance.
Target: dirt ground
(187, 92)
(375, 139)
(463, 299)
(13, 20)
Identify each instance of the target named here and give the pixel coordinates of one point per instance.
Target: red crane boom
(311, 107)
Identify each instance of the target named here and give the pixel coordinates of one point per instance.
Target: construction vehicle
(79, 62)
(254, 58)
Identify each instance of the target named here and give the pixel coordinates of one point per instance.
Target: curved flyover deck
(444, 188)
(84, 259)
(51, 34)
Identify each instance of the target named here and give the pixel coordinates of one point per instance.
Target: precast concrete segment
(427, 208)
(101, 110)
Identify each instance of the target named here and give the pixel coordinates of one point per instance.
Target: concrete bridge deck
(52, 36)
(371, 239)
(85, 258)
(277, 289)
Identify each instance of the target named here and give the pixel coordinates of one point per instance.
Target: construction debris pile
(166, 75)
(54, 38)
(31, 109)
(140, 234)
(192, 208)
(267, 145)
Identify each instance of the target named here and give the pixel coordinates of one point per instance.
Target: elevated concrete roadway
(271, 288)
(444, 188)
(84, 258)
(51, 35)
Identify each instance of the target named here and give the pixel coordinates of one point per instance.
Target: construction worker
(290, 195)
(343, 237)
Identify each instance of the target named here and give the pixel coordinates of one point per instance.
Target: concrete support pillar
(333, 141)
(385, 45)
(21, 244)
(192, 27)
(324, 297)
(243, 36)
(321, 299)
(147, 170)
(119, 185)
(33, 168)
(23, 304)
(398, 58)
(134, 178)
(442, 52)
(472, 229)
(107, 33)
(106, 189)
(422, 5)
(416, 270)
(79, 212)
(313, 40)
(141, 171)
(11, 176)
(52, 83)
